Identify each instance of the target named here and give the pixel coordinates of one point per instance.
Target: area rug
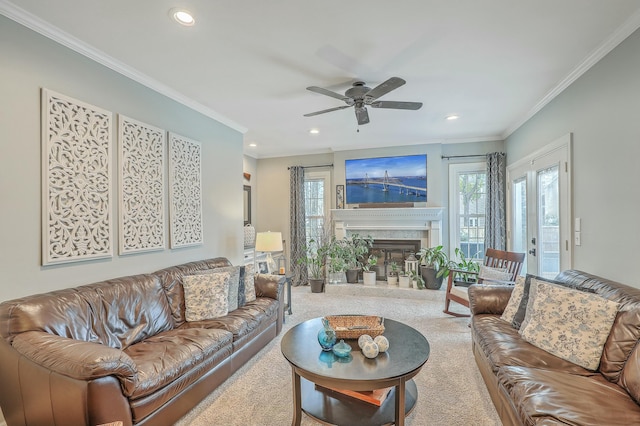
(450, 388)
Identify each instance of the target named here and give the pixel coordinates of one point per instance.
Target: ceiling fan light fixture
(452, 117)
(253, 145)
(314, 131)
(182, 17)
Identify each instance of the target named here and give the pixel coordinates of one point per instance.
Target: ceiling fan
(359, 96)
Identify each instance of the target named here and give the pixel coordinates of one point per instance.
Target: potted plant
(416, 279)
(315, 259)
(336, 263)
(392, 275)
(434, 266)
(464, 264)
(355, 250)
(369, 276)
(404, 280)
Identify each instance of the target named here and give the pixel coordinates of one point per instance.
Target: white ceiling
(247, 63)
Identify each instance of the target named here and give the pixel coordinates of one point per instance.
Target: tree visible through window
(468, 197)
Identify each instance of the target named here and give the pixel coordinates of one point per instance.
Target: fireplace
(397, 231)
(388, 251)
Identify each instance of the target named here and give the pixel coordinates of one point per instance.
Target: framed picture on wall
(339, 196)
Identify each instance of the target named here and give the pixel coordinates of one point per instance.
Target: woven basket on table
(354, 326)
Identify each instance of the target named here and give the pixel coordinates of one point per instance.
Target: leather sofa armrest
(489, 299)
(75, 358)
(269, 286)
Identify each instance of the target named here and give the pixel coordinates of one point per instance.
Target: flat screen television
(401, 179)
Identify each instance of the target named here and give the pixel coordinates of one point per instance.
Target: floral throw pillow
(514, 301)
(206, 295)
(570, 324)
(489, 273)
(249, 284)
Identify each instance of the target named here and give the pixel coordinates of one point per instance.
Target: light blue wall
(30, 62)
(602, 110)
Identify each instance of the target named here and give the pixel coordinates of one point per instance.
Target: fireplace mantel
(428, 219)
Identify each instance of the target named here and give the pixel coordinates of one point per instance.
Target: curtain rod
(446, 157)
(313, 167)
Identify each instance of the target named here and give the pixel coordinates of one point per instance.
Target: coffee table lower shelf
(332, 408)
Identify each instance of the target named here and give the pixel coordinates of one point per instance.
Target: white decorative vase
(404, 281)
(369, 277)
(392, 280)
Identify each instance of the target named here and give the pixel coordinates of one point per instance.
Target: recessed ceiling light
(452, 117)
(314, 131)
(182, 17)
(253, 145)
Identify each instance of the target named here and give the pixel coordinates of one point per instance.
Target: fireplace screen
(387, 251)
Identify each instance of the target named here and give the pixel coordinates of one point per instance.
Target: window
(316, 192)
(467, 199)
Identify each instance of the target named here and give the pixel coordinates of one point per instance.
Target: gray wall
(31, 62)
(602, 110)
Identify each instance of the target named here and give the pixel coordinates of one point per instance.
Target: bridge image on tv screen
(399, 179)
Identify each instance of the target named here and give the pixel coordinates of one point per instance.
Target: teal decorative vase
(326, 335)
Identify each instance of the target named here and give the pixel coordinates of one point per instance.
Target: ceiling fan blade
(362, 115)
(397, 105)
(326, 92)
(383, 88)
(311, 114)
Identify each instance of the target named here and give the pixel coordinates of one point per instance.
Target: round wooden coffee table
(408, 351)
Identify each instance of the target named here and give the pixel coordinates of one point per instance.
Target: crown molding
(617, 37)
(54, 33)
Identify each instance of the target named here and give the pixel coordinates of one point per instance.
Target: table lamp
(269, 242)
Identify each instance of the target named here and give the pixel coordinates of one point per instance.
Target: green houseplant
(355, 251)
(392, 275)
(434, 266)
(369, 276)
(465, 264)
(315, 258)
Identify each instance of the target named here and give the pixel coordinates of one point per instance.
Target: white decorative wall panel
(76, 189)
(185, 186)
(141, 167)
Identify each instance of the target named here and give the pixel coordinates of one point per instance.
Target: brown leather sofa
(121, 351)
(529, 386)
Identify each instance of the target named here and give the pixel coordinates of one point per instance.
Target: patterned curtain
(297, 219)
(496, 227)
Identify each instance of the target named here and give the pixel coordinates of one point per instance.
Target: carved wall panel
(141, 167)
(76, 188)
(185, 191)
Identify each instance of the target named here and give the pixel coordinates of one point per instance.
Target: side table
(287, 305)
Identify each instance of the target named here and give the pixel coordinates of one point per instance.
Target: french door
(539, 209)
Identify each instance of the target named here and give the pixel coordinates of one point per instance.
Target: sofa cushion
(206, 295)
(249, 283)
(622, 340)
(571, 324)
(165, 357)
(514, 301)
(544, 397)
(503, 346)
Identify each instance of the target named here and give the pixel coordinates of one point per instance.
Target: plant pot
(404, 281)
(352, 276)
(316, 284)
(430, 280)
(392, 280)
(369, 277)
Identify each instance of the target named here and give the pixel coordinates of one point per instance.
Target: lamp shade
(269, 241)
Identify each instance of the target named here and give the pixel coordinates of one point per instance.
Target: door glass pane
(548, 223)
(519, 240)
(314, 208)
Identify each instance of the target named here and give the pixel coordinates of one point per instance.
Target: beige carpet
(450, 389)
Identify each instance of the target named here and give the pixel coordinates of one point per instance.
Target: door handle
(532, 252)
(533, 241)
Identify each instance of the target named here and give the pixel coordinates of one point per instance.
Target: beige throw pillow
(489, 273)
(514, 301)
(568, 323)
(206, 295)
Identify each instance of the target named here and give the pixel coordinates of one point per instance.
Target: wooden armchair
(510, 261)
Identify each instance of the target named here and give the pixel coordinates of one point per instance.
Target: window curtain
(496, 226)
(297, 224)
